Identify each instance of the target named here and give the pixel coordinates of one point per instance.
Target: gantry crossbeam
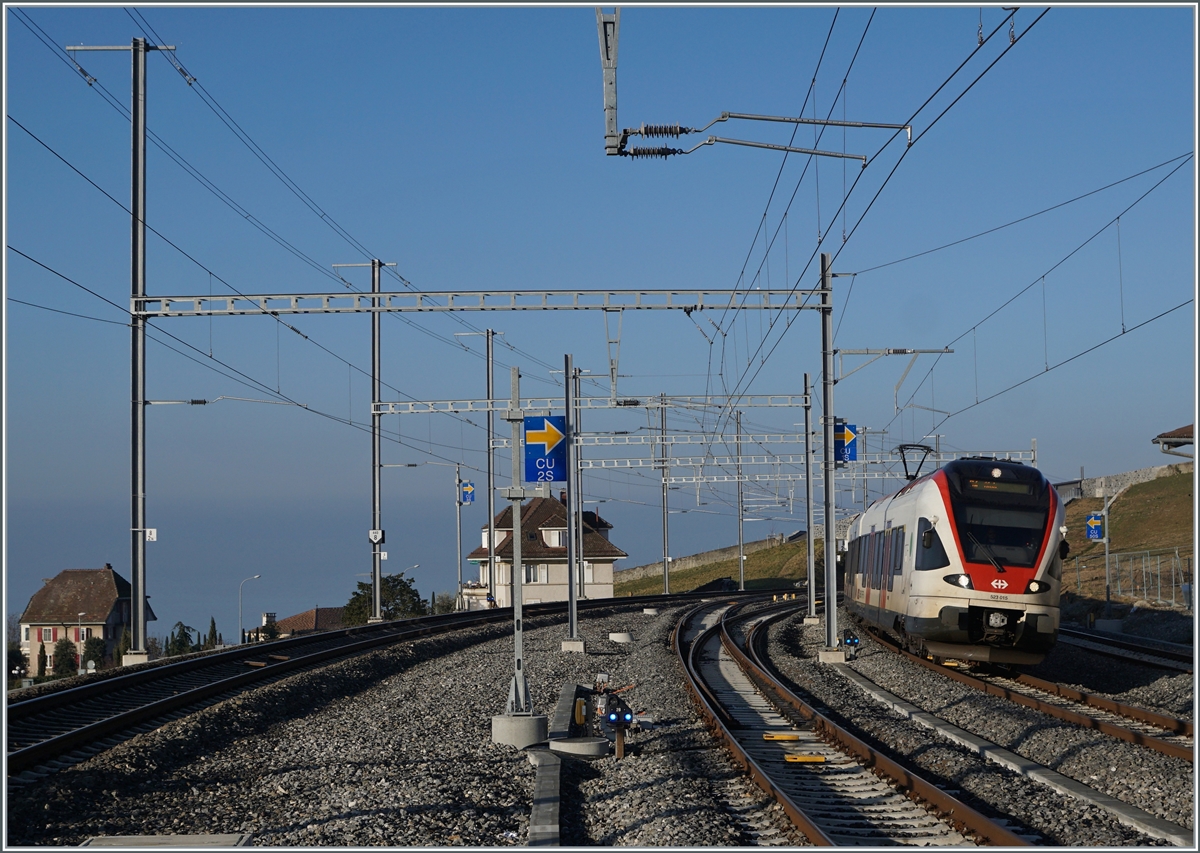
(511, 300)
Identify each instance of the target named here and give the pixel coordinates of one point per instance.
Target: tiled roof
(1183, 435)
(93, 592)
(547, 513)
(317, 619)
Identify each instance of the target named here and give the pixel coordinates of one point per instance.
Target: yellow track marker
(781, 736)
(806, 759)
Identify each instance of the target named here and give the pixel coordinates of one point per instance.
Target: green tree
(123, 645)
(64, 658)
(269, 632)
(18, 665)
(93, 650)
(443, 602)
(398, 600)
(180, 641)
(41, 663)
(210, 642)
(154, 648)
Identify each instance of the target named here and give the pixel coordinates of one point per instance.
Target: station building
(544, 556)
(77, 604)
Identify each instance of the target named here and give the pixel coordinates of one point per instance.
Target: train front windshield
(1000, 509)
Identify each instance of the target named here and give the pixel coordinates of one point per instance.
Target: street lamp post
(79, 636)
(241, 624)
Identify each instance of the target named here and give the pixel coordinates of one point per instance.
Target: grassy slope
(769, 569)
(1152, 515)
(1149, 516)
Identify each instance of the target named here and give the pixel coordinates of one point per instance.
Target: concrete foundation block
(832, 656)
(520, 730)
(573, 646)
(131, 658)
(621, 637)
(650, 611)
(812, 620)
(582, 747)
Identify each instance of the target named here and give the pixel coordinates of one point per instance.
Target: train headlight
(963, 581)
(1037, 586)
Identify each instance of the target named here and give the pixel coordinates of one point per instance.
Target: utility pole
(662, 420)
(375, 535)
(137, 361)
(572, 499)
(827, 418)
(741, 552)
(488, 334)
(491, 476)
(808, 501)
(1107, 582)
(581, 578)
(518, 725)
(459, 604)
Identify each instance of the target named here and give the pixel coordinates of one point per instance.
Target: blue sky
(466, 145)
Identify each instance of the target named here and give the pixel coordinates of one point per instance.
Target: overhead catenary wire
(198, 263)
(791, 319)
(261, 155)
(1052, 268)
(245, 378)
(242, 212)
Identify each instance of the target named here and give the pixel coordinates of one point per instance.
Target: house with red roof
(77, 604)
(544, 556)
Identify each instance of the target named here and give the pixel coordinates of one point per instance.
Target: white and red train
(964, 563)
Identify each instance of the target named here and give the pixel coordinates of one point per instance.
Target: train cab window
(933, 555)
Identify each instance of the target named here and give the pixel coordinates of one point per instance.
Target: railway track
(835, 788)
(1157, 653)
(1144, 727)
(63, 727)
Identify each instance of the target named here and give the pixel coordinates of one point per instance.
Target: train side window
(933, 555)
(885, 564)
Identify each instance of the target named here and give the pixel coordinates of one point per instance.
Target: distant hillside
(772, 568)
(1155, 516)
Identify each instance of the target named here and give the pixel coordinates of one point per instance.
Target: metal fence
(1162, 576)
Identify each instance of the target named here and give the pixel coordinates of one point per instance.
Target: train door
(869, 568)
(885, 573)
(897, 586)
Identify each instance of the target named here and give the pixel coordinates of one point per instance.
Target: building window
(531, 573)
(26, 635)
(47, 635)
(588, 572)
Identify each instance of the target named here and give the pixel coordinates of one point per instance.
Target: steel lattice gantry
(513, 300)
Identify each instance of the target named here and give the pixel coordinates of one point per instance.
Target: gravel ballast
(394, 748)
(1157, 784)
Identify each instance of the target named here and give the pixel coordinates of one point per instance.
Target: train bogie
(964, 563)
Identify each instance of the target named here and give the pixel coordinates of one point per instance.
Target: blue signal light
(628, 717)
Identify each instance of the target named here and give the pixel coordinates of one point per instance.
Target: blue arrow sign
(1095, 526)
(845, 442)
(546, 449)
(468, 492)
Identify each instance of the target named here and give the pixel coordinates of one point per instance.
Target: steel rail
(266, 661)
(946, 804)
(1166, 747)
(713, 714)
(1142, 650)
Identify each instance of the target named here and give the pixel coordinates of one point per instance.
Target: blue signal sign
(845, 442)
(1095, 526)
(546, 449)
(467, 495)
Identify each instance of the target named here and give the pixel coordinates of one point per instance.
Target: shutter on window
(54, 635)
